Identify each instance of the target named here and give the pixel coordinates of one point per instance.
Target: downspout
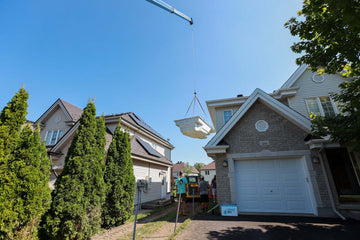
(328, 186)
(52, 169)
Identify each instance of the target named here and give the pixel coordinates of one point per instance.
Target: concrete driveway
(270, 227)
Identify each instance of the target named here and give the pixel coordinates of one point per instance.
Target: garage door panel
(271, 205)
(296, 206)
(247, 177)
(277, 186)
(249, 206)
(268, 177)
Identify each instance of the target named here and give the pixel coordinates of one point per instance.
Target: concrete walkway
(270, 228)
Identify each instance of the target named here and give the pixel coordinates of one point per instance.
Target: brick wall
(222, 181)
(282, 134)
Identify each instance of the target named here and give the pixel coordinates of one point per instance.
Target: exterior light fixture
(225, 163)
(315, 160)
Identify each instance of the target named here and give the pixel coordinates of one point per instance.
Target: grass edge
(182, 227)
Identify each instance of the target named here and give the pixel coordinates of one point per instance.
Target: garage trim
(305, 159)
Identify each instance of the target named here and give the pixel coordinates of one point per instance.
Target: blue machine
(171, 9)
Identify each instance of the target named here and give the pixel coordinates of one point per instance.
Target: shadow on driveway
(278, 228)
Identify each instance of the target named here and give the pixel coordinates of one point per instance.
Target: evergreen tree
(120, 180)
(24, 173)
(75, 212)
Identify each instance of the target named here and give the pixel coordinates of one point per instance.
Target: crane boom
(171, 9)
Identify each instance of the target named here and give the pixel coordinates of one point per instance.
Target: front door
(343, 172)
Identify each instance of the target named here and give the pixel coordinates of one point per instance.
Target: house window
(321, 106)
(227, 115)
(207, 172)
(53, 136)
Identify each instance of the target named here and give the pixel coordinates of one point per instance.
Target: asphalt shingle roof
(180, 167)
(210, 166)
(73, 110)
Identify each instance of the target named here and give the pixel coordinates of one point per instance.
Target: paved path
(270, 228)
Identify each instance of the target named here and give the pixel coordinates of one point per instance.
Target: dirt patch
(120, 231)
(168, 229)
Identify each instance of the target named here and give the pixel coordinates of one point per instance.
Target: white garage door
(277, 186)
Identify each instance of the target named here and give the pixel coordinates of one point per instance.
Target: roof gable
(71, 112)
(294, 77)
(210, 166)
(269, 101)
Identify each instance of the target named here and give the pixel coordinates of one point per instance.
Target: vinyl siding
(219, 115)
(51, 124)
(308, 89)
(141, 171)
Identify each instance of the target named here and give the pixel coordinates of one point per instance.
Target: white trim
(318, 81)
(268, 154)
(65, 137)
(150, 161)
(216, 149)
(336, 110)
(277, 106)
(52, 108)
(227, 102)
(307, 166)
(321, 108)
(294, 77)
(258, 126)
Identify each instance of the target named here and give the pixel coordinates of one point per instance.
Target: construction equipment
(195, 126)
(192, 191)
(171, 9)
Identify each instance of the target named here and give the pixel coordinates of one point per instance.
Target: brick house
(267, 161)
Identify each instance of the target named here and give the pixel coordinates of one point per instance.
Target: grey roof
(138, 150)
(180, 167)
(73, 110)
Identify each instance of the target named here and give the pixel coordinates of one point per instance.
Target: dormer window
(53, 136)
(227, 115)
(321, 106)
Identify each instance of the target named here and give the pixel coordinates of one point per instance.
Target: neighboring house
(180, 166)
(150, 152)
(208, 171)
(266, 159)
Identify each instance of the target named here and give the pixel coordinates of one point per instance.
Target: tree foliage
(198, 166)
(188, 169)
(24, 173)
(120, 180)
(329, 32)
(345, 127)
(75, 211)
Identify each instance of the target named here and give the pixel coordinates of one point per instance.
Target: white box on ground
(229, 210)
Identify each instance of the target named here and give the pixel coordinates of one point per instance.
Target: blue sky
(135, 57)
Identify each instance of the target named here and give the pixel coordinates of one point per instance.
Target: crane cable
(195, 99)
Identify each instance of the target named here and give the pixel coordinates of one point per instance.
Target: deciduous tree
(329, 32)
